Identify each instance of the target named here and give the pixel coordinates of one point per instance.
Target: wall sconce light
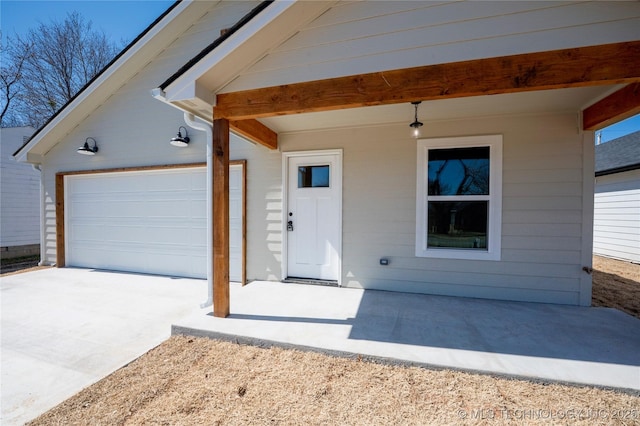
(179, 140)
(416, 124)
(88, 150)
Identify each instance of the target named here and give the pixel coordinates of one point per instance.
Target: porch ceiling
(544, 101)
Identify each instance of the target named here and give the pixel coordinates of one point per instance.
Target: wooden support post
(220, 199)
(60, 231)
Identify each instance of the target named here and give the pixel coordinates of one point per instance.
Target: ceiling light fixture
(88, 150)
(416, 124)
(179, 140)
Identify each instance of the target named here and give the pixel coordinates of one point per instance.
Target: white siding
(362, 37)
(542, 210)
(616, 231)
(20, 193)
(264, 209)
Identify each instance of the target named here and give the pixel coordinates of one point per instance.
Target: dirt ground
(616, 284)
(19, 265)
(192, 381)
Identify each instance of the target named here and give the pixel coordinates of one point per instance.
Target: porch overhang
(608, 74)
(594, 71)
(601, 66)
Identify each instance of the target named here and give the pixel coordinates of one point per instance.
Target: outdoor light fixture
(88, 150)
(416, 124)
(179, 140)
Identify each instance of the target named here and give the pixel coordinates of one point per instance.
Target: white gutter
(205, 127)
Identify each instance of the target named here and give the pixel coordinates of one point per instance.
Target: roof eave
(193, 87)
(616, 170)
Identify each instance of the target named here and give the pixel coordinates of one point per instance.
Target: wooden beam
(585, 66)
(616, 107)
(60, 243)
(255, 131)
(220, 199)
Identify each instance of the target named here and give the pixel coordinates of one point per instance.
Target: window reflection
(459, 171)
(457, 224)
(313, 176)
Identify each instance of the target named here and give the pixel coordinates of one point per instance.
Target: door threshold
(311, 281)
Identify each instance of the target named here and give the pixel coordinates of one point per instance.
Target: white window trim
(494, 249)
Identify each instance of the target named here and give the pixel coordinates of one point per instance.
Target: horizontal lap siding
(264, 209)
(542, 210)
(616, 231)
(361, 37)
(20, 189)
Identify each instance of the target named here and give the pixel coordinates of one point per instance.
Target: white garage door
(146, 221)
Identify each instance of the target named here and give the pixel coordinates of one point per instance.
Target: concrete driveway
(65, 329)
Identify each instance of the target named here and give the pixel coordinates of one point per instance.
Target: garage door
(146, 221)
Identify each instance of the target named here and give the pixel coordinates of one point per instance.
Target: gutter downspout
(38, 167)
(207, 128)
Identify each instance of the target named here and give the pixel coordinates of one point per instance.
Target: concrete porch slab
(593, 346)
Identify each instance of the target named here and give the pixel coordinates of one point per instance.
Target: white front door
(313, 215)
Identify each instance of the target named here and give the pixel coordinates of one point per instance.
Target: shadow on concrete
(288, 319)
(596, 346)
(530, 329)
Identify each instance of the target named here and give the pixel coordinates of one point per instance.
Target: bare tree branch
(56, 60)
(10, 78)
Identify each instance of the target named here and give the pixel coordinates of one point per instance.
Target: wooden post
(220, 199)
(60, 231)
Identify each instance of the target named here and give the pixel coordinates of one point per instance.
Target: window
(313, 176)
(459, 198)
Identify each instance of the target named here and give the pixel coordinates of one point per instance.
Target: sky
(622, 128)
(123, 20)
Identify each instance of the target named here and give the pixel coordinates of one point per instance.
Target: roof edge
(628, 168)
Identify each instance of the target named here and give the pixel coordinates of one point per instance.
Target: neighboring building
(616, 230)
(19, 198)
(493, 200)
